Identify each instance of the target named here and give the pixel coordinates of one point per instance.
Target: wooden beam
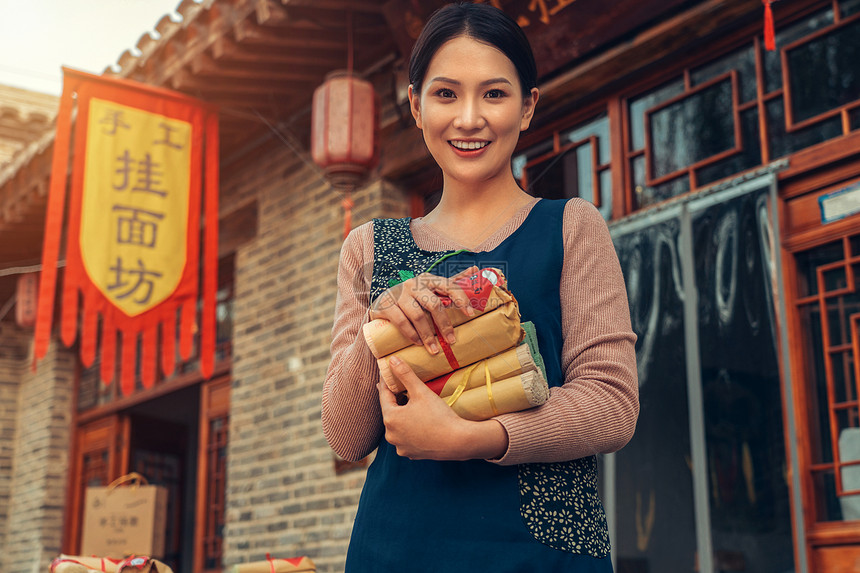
(290, 38)
(373, 6)
(228, 50)
(204, 65)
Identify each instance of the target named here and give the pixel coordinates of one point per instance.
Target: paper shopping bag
(122, 521)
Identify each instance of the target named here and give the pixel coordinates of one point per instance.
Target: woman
(517, 492)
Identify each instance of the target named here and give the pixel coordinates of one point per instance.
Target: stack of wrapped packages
(494, 366)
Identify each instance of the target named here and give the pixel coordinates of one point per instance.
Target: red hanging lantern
(344, 129)
(26, 297)
(344, 133)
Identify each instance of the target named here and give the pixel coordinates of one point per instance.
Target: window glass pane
(825, 73)
(816, 377)
(855, 119)
(849, 7)
(748, 158)
(743, 61)
(827, 505)
(557, 177)
(782, 143)
(839, 311)
(808, 263)
(606, 194)
(786, 36)
(654, 519)
(750, 511)
(842, 366)
(581, 165)
(855, 250)
(693, 129)
(645, 195)
(638, 106)
(598, 127)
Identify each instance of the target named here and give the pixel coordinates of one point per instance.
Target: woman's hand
(426, 428)
(415, 304)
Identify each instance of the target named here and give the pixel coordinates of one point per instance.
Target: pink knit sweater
(594, 411)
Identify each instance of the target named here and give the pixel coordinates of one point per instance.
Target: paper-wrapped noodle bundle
(513, 394)
(479, 338)
(506, 364)
(294, 565)
(485, 291)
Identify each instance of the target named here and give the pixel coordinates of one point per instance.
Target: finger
(397, 317)
(406, 375)
(438, 317)
(387, 398)
(421, 321)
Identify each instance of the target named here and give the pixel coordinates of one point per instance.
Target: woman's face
(471, 110)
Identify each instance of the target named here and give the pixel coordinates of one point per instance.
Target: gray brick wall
(13, 363)
(283, 494)
(39, 469)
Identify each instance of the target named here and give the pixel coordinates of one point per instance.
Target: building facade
(729, 175)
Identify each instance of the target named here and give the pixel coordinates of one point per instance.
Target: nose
(469, 114)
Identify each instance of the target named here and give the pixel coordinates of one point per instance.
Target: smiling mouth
(469, 145)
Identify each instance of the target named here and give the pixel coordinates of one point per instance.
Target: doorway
(176, 440)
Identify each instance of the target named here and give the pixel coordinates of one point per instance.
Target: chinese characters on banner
(133, 246)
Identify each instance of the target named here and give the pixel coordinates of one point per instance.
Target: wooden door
(823, 296)
(211, 475)
(100, 455)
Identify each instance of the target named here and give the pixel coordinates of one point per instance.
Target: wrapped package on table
(271, 565)
(81, 564)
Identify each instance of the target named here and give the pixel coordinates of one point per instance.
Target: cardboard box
(122, 521)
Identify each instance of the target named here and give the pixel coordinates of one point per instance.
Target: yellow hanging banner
(135, 204)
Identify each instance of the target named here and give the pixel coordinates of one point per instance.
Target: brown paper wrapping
(81, 564)
(280, 566)
(383, 338)
(503, 365)
(479, 338)
(514, 394)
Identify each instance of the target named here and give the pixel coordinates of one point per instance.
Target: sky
(37, 37)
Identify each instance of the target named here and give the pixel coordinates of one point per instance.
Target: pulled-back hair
(481, 22)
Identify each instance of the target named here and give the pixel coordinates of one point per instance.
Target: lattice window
(747, 108)
(829, 306)
(574, 163)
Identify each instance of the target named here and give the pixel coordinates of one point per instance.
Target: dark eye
(496, 93)
(445, 93)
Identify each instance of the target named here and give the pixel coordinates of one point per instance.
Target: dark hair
(482, 22)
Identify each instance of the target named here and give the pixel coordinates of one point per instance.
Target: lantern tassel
(347, 204)
(769, 35)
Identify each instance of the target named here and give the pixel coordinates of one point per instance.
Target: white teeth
(469, 145)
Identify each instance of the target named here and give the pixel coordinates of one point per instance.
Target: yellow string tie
(467, 373)
(490, 388)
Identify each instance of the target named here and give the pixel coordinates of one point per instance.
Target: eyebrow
(484, 83)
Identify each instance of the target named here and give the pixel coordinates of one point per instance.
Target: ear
(414, 106)
(529, 103)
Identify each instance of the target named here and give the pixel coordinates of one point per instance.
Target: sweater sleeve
(596, 408)
(351, 415)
